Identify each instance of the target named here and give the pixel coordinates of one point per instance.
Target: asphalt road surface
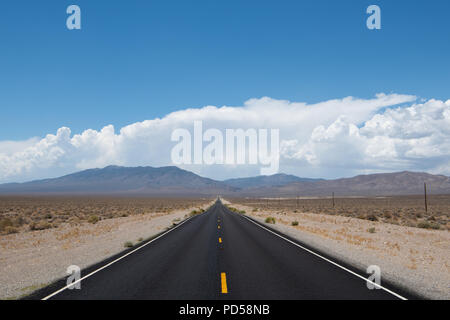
(222, 255)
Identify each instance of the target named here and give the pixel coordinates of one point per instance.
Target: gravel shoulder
(413, 259)
(32, 260)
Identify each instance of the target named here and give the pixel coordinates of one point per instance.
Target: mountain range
(124, 180)
(173, 181)
(397, 183)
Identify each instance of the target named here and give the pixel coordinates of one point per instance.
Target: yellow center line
(224, 282)
(220, 240)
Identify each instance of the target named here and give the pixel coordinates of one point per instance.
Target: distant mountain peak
(148, 180)
(111, 167)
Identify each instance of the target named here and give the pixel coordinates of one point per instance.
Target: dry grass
(23, 214)
(401, 210)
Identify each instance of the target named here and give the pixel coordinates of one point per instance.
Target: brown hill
(398, 183)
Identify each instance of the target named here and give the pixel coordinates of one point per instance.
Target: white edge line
(328, 260)
(112, 262)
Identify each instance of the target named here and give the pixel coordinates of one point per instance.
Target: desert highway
(220, 254)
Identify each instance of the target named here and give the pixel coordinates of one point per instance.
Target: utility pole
(297, 201)
(425, 191)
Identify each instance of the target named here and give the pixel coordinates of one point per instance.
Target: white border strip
(118, 259)
(328, 260)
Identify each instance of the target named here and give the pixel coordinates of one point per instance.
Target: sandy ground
(415, 259)
(31, 260)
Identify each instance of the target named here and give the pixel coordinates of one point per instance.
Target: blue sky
(136, 60)
(73, 100)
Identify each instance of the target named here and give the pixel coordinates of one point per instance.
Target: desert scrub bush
(11, 230)
(294, 223)
(4, 223)
(255, 210)
(93, 219)
(41, 225)
(128, 244)
(19, 221)
(270, 220)
(371, 217)
(428, 225)
(371, 230)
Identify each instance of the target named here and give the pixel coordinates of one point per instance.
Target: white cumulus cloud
(333, 138)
